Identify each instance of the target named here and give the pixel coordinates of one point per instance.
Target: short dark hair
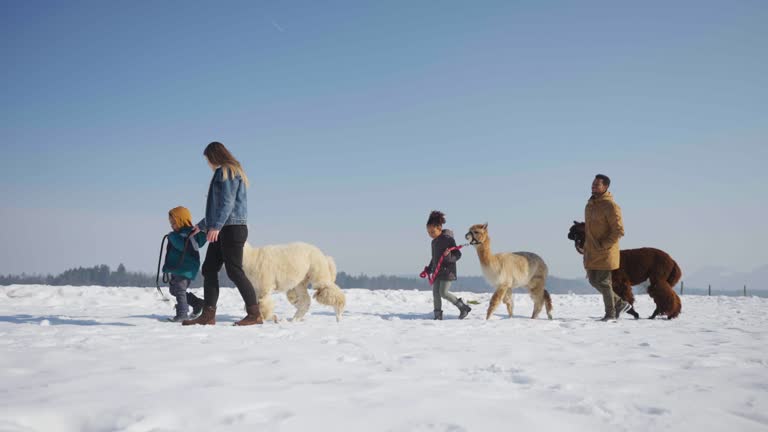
(605, 179)
(436, 218)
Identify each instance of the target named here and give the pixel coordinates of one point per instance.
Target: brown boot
(207, 317)
(253, 317)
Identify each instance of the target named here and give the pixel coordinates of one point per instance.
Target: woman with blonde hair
(225, 224)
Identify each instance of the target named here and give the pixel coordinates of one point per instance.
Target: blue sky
(355, 119)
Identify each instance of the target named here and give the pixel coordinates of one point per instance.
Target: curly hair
(436, 218)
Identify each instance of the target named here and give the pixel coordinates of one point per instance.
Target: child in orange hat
(182, 262)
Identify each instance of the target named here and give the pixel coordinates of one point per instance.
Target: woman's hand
(213, 236)
(447, 251)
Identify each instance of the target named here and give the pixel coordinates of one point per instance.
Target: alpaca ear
(485, 226)
(575, 223)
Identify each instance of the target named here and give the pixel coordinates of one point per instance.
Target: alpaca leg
(293, 297)
(548, 303)
(654, 292)
(302, 301)
(538, 303)
(267, 308)
(629, 296)
(676, 306)
(266, 305)
(509, 301)
(667, 301)
(495, 300)
(624, 290)
(536, 290)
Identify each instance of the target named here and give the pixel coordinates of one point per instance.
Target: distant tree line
(99, 275)
(102, 275)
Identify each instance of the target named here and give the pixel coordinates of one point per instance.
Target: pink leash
(431, 278)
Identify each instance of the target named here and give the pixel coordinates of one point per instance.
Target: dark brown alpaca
(635, 267)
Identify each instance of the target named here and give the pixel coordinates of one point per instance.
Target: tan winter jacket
(604, 227)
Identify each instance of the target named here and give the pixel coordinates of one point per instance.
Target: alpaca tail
(674, 275)
(331, 295)
(331, 267)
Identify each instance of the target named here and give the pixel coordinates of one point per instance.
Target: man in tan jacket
(604, 227)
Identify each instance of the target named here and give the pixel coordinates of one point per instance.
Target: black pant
(227, 251)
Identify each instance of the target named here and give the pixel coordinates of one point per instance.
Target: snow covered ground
(98, 359)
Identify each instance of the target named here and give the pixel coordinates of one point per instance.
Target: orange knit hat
(181, 217)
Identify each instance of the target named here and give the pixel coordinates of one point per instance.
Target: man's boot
(208, 317)
(464, 309)
(253, 316)
(438, 315)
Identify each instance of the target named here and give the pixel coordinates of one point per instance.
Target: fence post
(709, 290)
(682, 285)
(745, 290)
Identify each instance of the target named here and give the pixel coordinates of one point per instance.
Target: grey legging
(440, 290)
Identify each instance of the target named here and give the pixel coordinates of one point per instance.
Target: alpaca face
(577, 234)
(477, 234)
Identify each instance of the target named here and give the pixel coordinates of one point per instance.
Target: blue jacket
(182, 257)
(227, 202)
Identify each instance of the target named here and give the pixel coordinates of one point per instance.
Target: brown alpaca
(635, 267)
(507, 271)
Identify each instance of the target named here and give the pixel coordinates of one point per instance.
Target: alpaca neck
(484, 252)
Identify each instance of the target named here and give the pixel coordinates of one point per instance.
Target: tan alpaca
(507, 271)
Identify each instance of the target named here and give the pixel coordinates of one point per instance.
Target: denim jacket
(227, 202)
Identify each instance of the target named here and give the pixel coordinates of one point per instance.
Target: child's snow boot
(438, 315)
(181, 313)
(464, 309)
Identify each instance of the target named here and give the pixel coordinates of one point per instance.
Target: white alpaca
(507, 271)
(291, 268)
